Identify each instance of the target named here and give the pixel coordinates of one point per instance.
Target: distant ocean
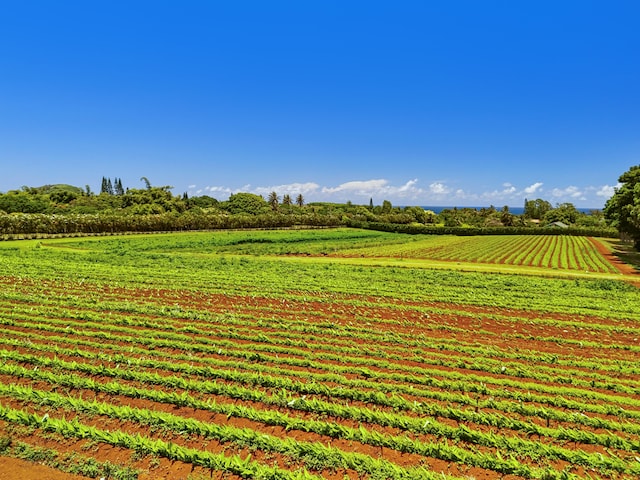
(513, 210)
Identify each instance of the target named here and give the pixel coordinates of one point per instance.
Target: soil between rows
(18, 469)
(381, 315)
(451, 423)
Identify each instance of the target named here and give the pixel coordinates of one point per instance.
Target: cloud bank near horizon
(436, 193)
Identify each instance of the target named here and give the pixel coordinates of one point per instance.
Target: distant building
(558, 225)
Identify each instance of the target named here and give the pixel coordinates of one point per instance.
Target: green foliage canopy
(565, 213)
(623, 208)
(248, 203)
(536, 208)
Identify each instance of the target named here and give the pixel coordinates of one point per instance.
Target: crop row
(438, 378)
(559, 252)
(245, 468)
(354, 369)
(215, 341)
(402, 443)
(519, 407)
(181, 321)
(352, 389)
(271, 276)
(391, 419)
(241, 326)
(331, 308)
(211, 340)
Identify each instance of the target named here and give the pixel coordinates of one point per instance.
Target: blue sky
(421, 103)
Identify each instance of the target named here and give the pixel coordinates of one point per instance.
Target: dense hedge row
(415, 228)
(21, 224)
(51, 224)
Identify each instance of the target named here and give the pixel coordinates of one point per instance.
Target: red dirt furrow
(621, 266)
(149, 468)
(497, 332)
(406, 460)
(317, 304)
(18, 469)
(298, 414)
(403, 459)
(507, 335)
(407, 362)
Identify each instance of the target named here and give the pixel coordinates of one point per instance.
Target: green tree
(104, 188)
(16, 201)
(273, 201)
(622, 210)
(536, 208)
(300, 200)
(246, 203)
(420, 214)
(506, 217)
(62, 196)
(118, 188)
(450, 218)
(564, 212)
(152, 201)
(203, 201)
(594, 218)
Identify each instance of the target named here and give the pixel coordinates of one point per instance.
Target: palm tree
(300, 200)
(273, 201)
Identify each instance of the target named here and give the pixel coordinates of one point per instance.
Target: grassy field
(320, 354)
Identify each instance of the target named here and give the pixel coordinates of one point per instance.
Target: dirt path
(613, 259)
(17, 469)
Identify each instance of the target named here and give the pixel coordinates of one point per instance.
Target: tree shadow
(625, 252)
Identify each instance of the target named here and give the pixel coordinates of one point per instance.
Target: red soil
(613, 259)
(503, 329)
(17, 469)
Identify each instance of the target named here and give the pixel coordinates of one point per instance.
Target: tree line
(67, 209)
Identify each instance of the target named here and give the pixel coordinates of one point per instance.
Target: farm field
(546, 251)
(319, 354)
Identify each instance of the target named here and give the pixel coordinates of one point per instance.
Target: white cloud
(533, 188)
(570, 192)
(460, 194)
(358, 187)
(409, 190)
(379, 188)
(508, 188)
(409, 186)
(223, 193)
(375, 188)
(439, 188)
(220, 190)
(607, 191)
(509, 192)
(289, 189)
(438, 192)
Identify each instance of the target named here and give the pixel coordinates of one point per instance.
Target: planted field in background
(558, 252)
(210, 356)
(547, 251)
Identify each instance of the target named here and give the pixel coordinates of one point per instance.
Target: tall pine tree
(118, 187)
